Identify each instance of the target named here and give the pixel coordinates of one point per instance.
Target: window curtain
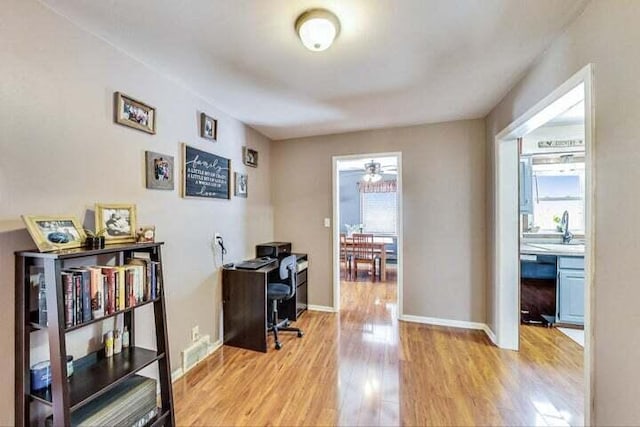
(378, 187)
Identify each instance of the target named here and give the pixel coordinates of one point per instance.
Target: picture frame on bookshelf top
(118, 220)
(55, 232)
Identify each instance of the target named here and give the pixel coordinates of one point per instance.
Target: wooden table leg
(383, 264)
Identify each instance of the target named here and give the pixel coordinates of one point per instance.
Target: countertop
(552, 249)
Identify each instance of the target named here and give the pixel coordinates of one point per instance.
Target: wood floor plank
(363, 367)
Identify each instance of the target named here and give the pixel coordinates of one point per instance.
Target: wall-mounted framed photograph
(118, 220)
(250, 157)
(51, 233)
(160, 171)
(241, 184)
(208, 127)
(133, 113)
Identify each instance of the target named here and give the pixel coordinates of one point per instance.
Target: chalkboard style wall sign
(205, 174)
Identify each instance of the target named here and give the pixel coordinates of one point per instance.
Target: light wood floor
(363, 367)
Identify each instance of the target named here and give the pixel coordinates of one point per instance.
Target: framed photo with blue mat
(52, 233)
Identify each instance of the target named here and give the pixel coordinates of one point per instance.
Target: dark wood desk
(244, 304)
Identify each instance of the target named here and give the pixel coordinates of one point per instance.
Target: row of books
(98, 291)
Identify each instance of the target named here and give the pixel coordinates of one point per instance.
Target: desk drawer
(302, 277)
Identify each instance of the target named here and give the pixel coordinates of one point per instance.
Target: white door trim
(336, 225)
(506, 247)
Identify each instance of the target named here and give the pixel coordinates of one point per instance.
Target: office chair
(277, 292)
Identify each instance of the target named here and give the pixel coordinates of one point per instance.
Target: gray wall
(444, 211)
(606, 35)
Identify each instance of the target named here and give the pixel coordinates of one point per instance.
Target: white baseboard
(443, 322)
(463, 324)
(323, 308)
(178, 373)
(491, 335)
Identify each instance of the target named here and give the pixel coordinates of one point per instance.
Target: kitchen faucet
(564, 225)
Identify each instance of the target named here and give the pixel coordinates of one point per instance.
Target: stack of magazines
(132, 403)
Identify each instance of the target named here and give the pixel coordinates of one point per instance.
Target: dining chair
(346, 255)
(363, 251)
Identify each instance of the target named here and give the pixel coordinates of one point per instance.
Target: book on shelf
(121, 296)
(83, 275)
(77, 297)
(97, 293)
(68, 290)
(110, 273)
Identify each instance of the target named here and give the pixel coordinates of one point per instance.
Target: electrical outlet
(195, 333)
(216, 235)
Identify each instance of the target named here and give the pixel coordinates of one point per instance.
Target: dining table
(379, 248)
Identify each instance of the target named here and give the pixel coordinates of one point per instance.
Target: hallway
(364, 367)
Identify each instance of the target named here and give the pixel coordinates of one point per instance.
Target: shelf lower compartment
(97, 378)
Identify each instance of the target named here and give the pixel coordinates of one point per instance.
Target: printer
(277, 250)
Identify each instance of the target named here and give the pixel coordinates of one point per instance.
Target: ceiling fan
(373, 171)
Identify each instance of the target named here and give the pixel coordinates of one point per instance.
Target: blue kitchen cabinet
(570, 296)
(526, 187)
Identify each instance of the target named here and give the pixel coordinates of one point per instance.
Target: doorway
(510, 225)
(367, 204)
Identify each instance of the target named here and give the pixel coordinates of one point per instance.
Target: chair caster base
(300, 334)
(278, 346)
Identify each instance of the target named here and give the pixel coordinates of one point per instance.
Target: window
(379, 213)
(556, 189)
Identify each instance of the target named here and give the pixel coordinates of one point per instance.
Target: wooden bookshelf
(94, 375)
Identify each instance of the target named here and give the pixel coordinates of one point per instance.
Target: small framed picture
(250, 157)
(241, 184)
(208, 127)
(133, 113)
(160, 174)
(51, 233)
(118, 222)
(146, 233)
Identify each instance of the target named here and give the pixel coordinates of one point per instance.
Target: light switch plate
(327, 222)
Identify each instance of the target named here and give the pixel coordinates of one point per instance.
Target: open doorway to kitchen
(367, 234)
(544, 232)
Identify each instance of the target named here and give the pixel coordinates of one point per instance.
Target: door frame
(506, 224)
(336, 224)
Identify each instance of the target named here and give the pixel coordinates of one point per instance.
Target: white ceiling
(395, 62)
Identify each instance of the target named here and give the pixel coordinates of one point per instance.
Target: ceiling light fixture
(372, 172)
(317, 29)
